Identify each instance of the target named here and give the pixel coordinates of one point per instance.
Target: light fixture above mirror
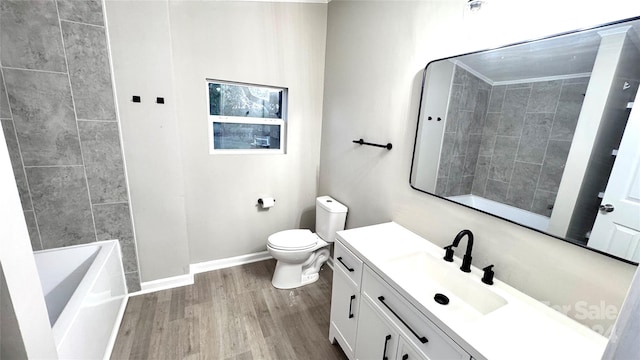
(535, 133)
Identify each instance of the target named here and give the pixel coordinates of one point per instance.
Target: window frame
(281, 122)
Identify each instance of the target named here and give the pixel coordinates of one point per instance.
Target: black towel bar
(362, 142)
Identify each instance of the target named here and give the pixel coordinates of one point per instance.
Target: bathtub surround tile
(503, 158)
(544, 96)
(61, 204)
(89, 71)
(470, 93)
(44, 118)
(479, 113)
(496, 190)
(84, 11)
(497, 98)
(133, 281)
(460, 143)
(553, 167)
(513, 111)
(445, 155)
(481, 175)
(5, 112)
(32, 227)
(16, 164)
(471, 158)
(113, 221)
(569, 106)
(522, 186)
(441, 186)
(30, 35)
(519, 86)
(103, 161)
(543, 202)
(535, 136)
(451, 123)
(466, 185)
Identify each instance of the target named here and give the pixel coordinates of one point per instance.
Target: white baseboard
(330, 263)
(228, 262)
(164, 284)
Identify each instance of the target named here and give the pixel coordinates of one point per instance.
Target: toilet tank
(330, 217)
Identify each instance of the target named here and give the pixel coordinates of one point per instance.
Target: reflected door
(617, 226)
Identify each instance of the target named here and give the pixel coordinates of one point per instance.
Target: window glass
(227, 136)
(245, 101)
(246, 119)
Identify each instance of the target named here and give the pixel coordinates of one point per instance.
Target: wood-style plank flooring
(232, 313)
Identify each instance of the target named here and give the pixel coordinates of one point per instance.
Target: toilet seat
(293, 240)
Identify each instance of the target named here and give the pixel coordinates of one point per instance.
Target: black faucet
(466, 259)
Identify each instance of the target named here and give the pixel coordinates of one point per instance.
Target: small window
(246, 119)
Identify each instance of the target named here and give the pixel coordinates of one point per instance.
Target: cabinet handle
(384, 352)
(353, 297)
(345, 265)
(405, 356)
(421, 338)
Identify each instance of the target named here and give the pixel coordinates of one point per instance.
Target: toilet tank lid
(331, 205)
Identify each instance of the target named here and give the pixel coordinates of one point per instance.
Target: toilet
(299, 252)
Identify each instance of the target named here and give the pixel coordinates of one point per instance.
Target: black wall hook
(362, 142)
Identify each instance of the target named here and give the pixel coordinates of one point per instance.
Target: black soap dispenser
(487, 278)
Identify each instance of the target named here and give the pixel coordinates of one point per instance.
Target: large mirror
(541, 134)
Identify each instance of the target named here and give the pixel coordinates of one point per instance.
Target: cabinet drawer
(434, 343)
(346, 261)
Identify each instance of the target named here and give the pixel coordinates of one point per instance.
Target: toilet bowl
(299, 252)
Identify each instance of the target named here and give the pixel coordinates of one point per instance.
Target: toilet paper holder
(266, 202)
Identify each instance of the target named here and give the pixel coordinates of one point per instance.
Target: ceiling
(548, 58)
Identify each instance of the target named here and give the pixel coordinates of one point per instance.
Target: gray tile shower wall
(463, 134)
(526, 140)
(59, 120)
(508, 143)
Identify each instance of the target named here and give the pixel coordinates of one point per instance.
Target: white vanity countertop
(524, 328)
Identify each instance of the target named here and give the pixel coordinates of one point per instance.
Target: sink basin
(425, 276)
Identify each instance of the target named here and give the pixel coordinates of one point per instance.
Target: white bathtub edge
(116, 328)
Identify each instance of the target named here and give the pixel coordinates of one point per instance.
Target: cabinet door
(377, 338)
(344, 312)
(406, 351)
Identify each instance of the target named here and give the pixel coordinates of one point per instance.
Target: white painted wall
(140, 41)
(278, 44)
(375, 54)
(20, 273)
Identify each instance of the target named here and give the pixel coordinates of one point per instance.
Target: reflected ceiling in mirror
(541, 134)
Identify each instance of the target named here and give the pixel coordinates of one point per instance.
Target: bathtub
(514, 214)
(85, 293)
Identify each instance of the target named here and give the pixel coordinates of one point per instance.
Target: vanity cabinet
(371, 320)
(345, 299)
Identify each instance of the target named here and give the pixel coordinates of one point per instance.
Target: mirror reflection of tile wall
(509, 143)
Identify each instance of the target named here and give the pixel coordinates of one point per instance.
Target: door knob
(607, 208)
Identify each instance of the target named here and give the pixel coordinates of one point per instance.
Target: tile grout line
(24, 169)
(49, 166)
(75, 112)
(79, 22)
(97, 120)
(35, 70)
(110, 203)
